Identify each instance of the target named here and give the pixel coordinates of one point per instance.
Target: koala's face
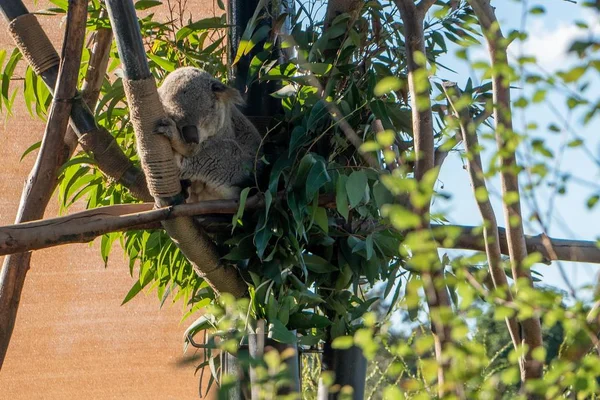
(198, 103)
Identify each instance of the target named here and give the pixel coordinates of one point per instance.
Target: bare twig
(42, 180)
(532, 332)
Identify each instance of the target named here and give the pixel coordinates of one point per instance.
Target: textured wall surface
(73, 339)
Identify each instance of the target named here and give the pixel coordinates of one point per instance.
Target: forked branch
(43, 178)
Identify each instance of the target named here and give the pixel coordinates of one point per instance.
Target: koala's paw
(166, 127)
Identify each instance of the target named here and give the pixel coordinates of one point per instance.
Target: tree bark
(42, 180)
(85, 226)
(531, 327)
(422, 122)
(94, 77)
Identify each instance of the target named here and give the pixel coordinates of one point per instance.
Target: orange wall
(72, 338)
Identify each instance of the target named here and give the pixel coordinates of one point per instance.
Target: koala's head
(199, 104)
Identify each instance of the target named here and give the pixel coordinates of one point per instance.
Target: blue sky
(550, 37)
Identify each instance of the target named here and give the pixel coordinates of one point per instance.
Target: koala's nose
(190, 134)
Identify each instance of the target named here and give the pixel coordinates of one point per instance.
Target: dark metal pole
(12, 9)
(258, 101)
(350, 369)
(127, 34)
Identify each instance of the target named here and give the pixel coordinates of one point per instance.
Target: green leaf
(341, 197)
(165, 64)
(356, 187)
(240, 212)
(145, 4)
(342, 342)
(573, 75)
(321, 219)
(136, 288)
(30, 149)
(308, 320)
(298, 139)
(304, 168)
(317, 177)
(318, 264)
(317, 115)
(62, 4)
(201, 25)
(280, 165)
(386, 85)
(382, 195)
(279, 333)
(318, 69)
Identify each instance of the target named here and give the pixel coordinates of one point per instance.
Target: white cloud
(550, 45)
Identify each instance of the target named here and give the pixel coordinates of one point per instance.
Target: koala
(215, 145)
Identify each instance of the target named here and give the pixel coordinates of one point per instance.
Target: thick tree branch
(532, 332)
(422, 124)
(42, 180)
(85, 226)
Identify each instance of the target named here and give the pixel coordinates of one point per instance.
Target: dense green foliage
(335, 252)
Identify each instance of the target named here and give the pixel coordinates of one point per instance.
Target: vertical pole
(260, 107)
(259, 104)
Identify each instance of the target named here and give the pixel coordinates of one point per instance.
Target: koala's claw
(165, 126)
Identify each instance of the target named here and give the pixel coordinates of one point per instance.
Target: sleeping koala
(215, 145)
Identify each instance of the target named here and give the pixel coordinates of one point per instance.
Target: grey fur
(222, 160)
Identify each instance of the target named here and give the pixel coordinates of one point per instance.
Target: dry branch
(85, 226)
(532, 331)
(43, 178)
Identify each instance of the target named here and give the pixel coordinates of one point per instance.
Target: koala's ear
(226, 94)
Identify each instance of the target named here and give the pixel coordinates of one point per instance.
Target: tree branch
(43, 177)
(490, 230)
(424, 6)
(422, 124)
(532, 332)
(85, 226)
(94, 77)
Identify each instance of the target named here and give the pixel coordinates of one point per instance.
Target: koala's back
(215, 144)
(224, 163)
